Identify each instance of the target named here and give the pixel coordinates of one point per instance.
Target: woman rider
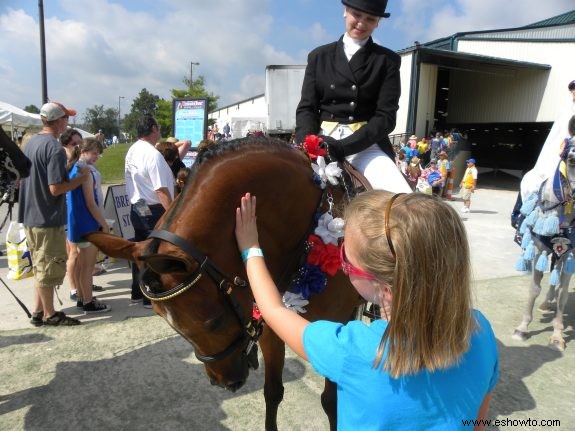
(350, 95)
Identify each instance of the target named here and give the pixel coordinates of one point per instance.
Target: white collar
(351, 46)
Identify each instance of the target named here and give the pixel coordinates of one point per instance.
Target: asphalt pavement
(128, 369)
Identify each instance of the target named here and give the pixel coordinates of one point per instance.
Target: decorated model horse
(193, 273)
(548, 230)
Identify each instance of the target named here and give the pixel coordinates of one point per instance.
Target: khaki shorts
(465, 194)
(48, 250)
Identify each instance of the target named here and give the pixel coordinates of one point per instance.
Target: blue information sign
(190, 122)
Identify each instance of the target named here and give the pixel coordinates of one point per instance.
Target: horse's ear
(113, 246)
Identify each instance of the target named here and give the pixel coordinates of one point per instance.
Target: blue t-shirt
(433, 176)
(80, 219)
(370, 399)
(410, 152)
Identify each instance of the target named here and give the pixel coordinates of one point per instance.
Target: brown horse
(185, 263)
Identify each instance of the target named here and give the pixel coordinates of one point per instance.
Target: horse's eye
(162, 264)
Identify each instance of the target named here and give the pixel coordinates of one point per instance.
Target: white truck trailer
(282, 94)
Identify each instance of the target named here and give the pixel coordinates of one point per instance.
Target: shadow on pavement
(515, 364)
(6, 341)
(154, 387)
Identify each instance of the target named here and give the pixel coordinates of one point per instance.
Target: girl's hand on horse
(246, 227)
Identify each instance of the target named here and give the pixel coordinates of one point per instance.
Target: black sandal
(37, 318)
(60, 319)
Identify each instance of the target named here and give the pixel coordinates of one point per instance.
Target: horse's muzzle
(228, 387)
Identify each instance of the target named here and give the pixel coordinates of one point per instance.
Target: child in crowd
(413, 172)
(84, 216)
(181, 179)
(431, 361)
(401, 162)
(468, 184)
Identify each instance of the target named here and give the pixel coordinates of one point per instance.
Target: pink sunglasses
(349, 269)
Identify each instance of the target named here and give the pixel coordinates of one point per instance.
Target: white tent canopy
(82, 132)
(17, 118)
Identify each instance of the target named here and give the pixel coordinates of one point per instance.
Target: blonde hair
(428, 272)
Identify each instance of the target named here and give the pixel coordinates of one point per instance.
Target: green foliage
(97, 118)
(197, 89)
(145, 103)
(33, 109)
(164, 117)
(111, 164)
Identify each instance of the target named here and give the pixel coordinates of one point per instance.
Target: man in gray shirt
(42, 210)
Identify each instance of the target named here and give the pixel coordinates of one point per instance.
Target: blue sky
(98, 50)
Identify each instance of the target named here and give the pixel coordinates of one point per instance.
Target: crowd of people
(427, 164)
(62, 200)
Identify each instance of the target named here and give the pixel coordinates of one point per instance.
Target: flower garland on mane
(322, 248)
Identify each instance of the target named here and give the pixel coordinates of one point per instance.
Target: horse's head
(190, 266)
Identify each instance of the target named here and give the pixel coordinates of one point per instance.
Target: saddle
(353, 181)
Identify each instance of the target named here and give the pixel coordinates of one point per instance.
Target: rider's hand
(335, 149)
(246, 228)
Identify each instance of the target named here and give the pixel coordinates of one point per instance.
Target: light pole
(43, 52)
(192, 64)
(119, 106)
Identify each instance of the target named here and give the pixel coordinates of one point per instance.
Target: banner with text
(117, 207)
(190, 120)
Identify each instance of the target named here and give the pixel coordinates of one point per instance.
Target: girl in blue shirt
(431, 362)
(85, 216)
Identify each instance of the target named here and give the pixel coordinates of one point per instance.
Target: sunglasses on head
(349, 269)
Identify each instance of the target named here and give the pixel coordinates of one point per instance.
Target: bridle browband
(252, 327)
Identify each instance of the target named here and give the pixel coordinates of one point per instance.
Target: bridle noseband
(252, 327)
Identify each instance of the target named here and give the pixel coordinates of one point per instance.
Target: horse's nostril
(235, 386)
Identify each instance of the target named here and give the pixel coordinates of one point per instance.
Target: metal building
(503, 87)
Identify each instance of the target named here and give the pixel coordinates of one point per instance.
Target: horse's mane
(260, 144)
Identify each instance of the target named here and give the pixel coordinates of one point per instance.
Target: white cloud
(103, 50)
(433, 19)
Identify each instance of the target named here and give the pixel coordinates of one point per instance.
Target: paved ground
(128, 370)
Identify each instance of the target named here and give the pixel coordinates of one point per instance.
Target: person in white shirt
(149, 186)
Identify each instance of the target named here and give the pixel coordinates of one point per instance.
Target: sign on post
(190, 122)
(117, 207)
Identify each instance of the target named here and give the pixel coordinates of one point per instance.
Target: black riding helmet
(372, 7)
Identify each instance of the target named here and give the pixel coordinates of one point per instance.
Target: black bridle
(252, 327)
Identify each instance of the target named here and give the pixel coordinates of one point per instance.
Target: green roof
(449, 42)
(563, 19)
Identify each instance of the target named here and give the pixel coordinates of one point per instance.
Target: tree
(197, 89)
(33, 109)
(145, 103)
(164, 117)
(98, 118)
